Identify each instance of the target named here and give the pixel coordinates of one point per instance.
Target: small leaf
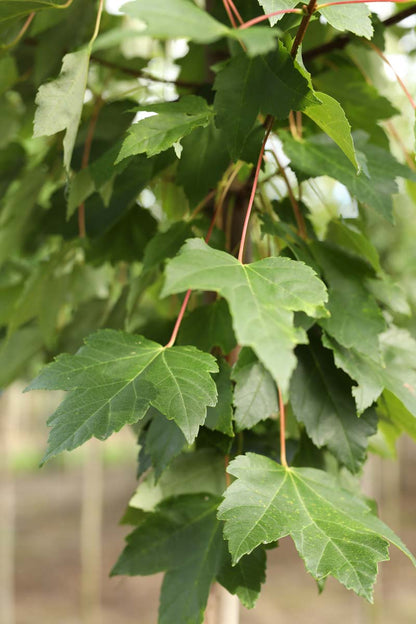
(172, 122)
(261, 297)
(219, 418)
(330, 117)
(60, 102)
(355, 18)
(334, 531)
(245, 578)
(113, 380)
(255, 394)
(163, 441)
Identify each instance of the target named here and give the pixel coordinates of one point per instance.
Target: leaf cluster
(121, 221)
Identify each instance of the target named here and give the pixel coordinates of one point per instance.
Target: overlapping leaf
(397, 372)
(184, 539)
(321, 399)
(255, 394)
(262, 297)
(334, 531)
(114, 379)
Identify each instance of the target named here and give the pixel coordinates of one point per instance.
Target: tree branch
(341, 41)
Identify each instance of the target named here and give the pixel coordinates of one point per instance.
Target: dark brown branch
(137, 73)
(340, 42)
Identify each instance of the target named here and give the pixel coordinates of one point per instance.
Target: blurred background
(60, 536)
(59, 525)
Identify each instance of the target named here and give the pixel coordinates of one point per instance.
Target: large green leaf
(175, 19)
(261, 297)
(173, 121)
(113, 380)
(334, 531)
(355, 18)
(246, 86)
(13, 9)
(60, 102)
(319, 156)
(330, 117)
(255, 394)
(184, 539)
(320, 395)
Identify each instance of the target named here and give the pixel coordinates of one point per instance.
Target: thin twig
(262, 18)
(8, 46)
(137, 73)
(236, 12)
(254, 188)
(309, 10)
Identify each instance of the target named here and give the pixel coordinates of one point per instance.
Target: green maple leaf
(115, 377)
(334, 531)
(184, 539)
(262, 297)
(173, 120)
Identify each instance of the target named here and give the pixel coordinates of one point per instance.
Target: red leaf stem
(262, 18)
(253, 189)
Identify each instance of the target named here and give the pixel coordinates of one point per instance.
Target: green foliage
(284, 366)
(335, 532)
